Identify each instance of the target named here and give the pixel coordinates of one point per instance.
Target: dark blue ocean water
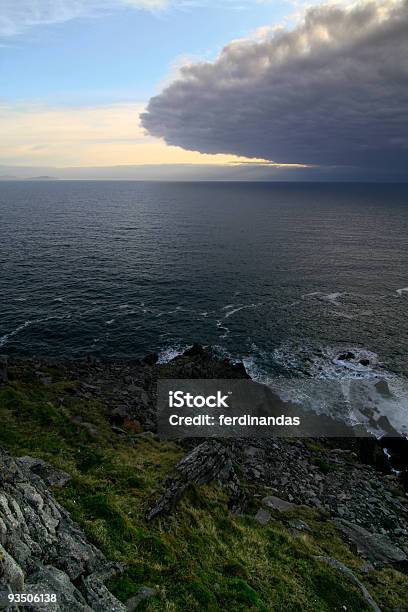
(283, 275)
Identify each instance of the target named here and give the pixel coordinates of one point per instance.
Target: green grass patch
(198, 558)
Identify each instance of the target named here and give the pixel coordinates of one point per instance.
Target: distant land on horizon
(42, 178)
(193, 172)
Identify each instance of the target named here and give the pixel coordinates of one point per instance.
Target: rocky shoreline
(348, 481)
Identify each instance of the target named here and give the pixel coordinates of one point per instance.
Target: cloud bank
(333, 92)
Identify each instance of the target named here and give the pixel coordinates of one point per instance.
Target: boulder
(347, 356)
(376, 548)
(50, 475)
(278, 504)
(300, 525)
(143, 593)
(263, 516)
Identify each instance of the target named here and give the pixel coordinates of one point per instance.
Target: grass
(198, 558)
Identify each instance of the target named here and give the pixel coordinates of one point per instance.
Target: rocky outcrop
(330, 480)
(42, 549)
(210, 461)
(200, 362)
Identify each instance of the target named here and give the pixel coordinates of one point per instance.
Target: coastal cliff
(97, 509)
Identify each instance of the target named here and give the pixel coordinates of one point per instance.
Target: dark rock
(96, 593)
(49, 579)
(280, 505)
(119, 430)
(347, 356)
(397, 447)
(50, 475)
(3, 369)
(383, 388)
(376, 548)
(300, 525)
(263, 516)
(200, 362)
(143, 594)
(151, 359)
(43, 377)
(119, 414)
(195, 350)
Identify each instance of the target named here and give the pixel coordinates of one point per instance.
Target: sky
(251, 89)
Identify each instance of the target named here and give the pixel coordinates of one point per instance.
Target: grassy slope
(200, 557)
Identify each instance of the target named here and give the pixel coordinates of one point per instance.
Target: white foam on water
(334, 382)
(6, 337)
(336, 362)
(169, 353)
(332, 298)
(176, 310)
(238, 308)
(400, 292)
(255, 371)
(220, 326)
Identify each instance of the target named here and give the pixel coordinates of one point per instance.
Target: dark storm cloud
(334, 91)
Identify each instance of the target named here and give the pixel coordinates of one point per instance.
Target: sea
(307, 283)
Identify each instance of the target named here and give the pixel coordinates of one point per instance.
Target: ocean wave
(6, 337)
(332, 298)
(238, 308)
